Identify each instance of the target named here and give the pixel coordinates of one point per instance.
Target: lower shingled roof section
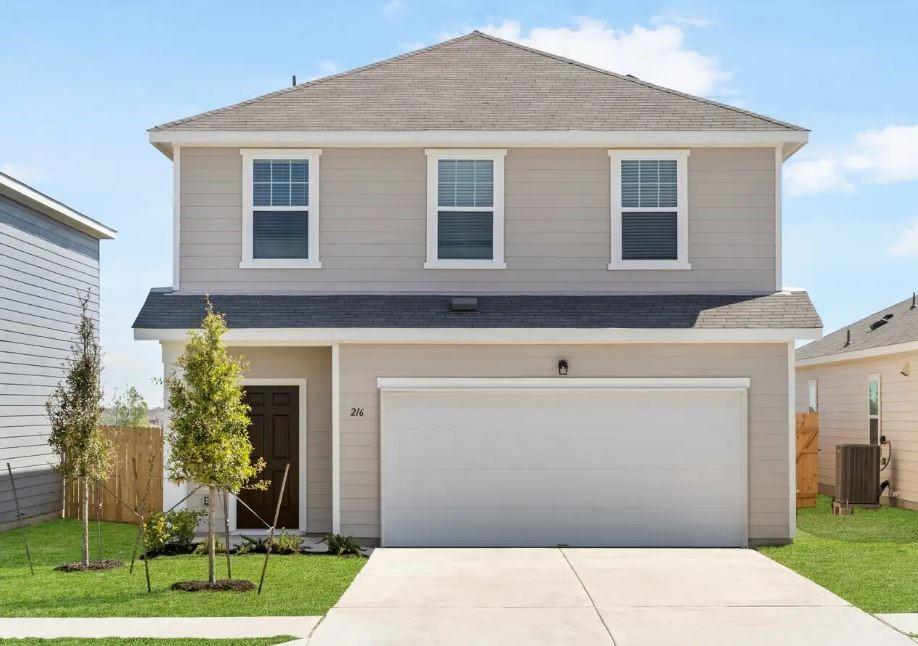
(166, 310)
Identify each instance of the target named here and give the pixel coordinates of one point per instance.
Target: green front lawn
(295, 585)
(869, 558)
(139, 641)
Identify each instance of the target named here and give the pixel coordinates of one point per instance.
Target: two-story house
(492, 296)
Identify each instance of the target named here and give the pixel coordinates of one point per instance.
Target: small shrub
(201, 548)
(342, 545)
(284, 543)
(176, 527)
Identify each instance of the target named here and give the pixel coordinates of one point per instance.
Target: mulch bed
(223, 585)
(77, 566)
(171, 549)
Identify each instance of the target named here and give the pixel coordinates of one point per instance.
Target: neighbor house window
(280, 209)
(649, 209)
(873, 409)
(465, 209)
(813, 403)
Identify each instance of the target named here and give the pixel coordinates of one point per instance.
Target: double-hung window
(873, 409)
(465, 209)
(280, 209)
(649, 209)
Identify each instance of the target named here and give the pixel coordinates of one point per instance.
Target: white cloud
(907, 245)
(327, 68)
(658, 55)
(885, 156)
(394, 6)
(813, 176)
(22, 173)
(675, 18)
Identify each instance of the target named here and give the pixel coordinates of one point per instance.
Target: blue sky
(82, 81)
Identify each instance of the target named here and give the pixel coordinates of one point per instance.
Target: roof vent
(848, 338)
(464, 304)
(913, 301)
(880, 322)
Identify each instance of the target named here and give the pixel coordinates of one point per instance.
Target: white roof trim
(329, 336)
(854, 355)
(791, 140)
(561, 383)
(51, 207)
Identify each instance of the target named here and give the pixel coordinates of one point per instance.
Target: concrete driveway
(591, 596)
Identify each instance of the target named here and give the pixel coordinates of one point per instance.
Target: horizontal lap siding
(313, 365)
(766, 365)
(842, 401)
(557, 228)
(44, 267)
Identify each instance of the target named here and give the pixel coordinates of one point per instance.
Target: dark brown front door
(275, 437)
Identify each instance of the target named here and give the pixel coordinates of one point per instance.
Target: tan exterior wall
(313, 365)
(765, 364)
(842, 403)
(557, 226)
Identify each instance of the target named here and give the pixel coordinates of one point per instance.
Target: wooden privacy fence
(807, 459)
(138, 457)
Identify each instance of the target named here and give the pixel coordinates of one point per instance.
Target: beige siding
(373, 226)
(765, 364)
(313, 365)
(842, 401)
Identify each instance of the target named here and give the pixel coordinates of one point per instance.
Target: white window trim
(879, 416)
(812, 396)
(249, 155)
(496, 156)
(681, 158)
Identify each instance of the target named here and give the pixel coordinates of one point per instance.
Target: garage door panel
(576, 467)
(534, 488)
(621, 527)
(539, 435)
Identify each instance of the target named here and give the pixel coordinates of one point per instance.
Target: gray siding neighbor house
(49, 254)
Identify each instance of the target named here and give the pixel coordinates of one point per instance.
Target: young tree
(74, 410)
(130, 409)
(208, 431)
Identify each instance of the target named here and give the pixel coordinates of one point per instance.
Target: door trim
(300, 384)
(738, 385)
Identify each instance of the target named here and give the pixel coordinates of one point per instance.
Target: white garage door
(592, 463)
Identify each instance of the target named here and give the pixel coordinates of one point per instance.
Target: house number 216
(356, 412)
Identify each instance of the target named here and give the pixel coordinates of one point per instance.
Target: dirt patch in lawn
(223, 585)
(79, 566)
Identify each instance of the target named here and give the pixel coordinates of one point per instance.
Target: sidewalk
(906, 622)
(163, 627)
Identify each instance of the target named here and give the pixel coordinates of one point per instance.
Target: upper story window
(649, 209)
(280, 209)
(812, 396)
(465, 209)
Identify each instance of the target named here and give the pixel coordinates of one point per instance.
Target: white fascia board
(854, 355)
(329, 336)
(791, 139)
(561, 383)
(49, 206)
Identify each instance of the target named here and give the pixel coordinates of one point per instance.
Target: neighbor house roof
(868, 335)
(165, 310)
(481, 83)
(25, 194)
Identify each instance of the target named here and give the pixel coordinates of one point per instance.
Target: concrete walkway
(646, 597)
(907, 622)
(203, 627)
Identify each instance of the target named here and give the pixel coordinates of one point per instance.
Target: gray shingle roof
(478, 82)
(164, 310)
(902, 327)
